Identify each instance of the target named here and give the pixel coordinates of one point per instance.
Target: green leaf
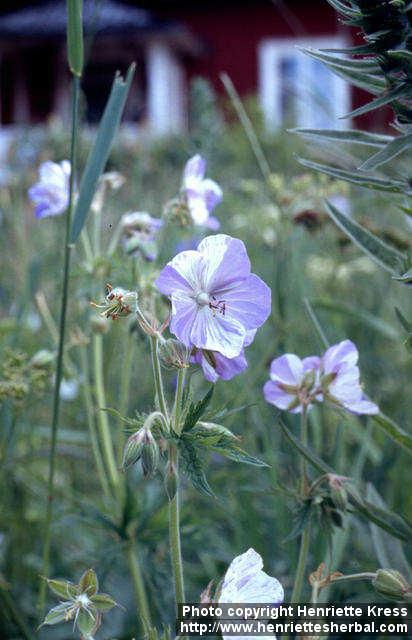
(390, 151)
(372, 84)
(360, 64)
(385, 519)
(403, 321)
(193, 467)
(86, 621)
(62, 588)
(237, 454)
(57, 614)
(358, 178)
(89, 583)
(389, 550)
(380, 101)
(351, 136)
(209, 433)
(370, 320)
(75, 36)
(103, 602)
(394, 431)
(386, 256)
(100, 151)
(196, 410)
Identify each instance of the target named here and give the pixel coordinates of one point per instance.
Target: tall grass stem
(60, 353)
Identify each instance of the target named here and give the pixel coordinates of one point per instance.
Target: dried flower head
(118, 303)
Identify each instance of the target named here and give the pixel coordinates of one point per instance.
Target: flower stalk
(60, 353)
(305, 539)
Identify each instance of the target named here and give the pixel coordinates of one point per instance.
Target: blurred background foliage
(299, 252)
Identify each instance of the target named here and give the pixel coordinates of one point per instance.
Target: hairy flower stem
(305, 539)
(174, 509)
(60, 353)
(138, 583)
(106, 440)
(88, 400)
(124, 391)
(157, 374)
(317, 587)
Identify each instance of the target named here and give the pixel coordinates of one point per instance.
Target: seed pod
(392, 584)
(178, 212)
(171, 480)
(42, 359)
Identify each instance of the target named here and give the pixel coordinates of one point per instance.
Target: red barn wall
(231, 35)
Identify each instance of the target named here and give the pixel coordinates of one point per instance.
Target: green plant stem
(88, 400)
(138, 583)
(157, 374)
(174, 507)
(124, 392)
(174, 535)
(60, 353)
(103, 421)
(305, 538)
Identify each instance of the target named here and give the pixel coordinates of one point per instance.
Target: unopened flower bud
(392, 584)
(150, 454)
(133, 448)
(177, 211)
(173, 354)
(99, 324)
(338, 492)
(42, 359)
(170, 480)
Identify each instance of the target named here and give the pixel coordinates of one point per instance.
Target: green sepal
(89, 583)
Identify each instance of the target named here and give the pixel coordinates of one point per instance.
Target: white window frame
(270, 54)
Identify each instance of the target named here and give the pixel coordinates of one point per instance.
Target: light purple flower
(216, 366)
(51, 193)
(246, 582)
(215, 298)
(140, 231)
(202, 194)
(293, 382)
(341, 379)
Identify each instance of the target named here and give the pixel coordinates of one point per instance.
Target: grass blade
(100, 151)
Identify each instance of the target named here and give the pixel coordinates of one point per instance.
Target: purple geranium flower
(140, 231)
(293, 382)
(216, 366)
(296, 383)
(51, 193)
(215, 298)
(202, 194)
(341, 379)
(246, 582)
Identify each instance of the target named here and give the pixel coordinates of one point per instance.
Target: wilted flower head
(216, 366)
(293, 382)
(139, 230)
(51, 193)
(340, 379)
(80, 603)
(202, 194)
(246, 582)
(118, 303)
(215, 298)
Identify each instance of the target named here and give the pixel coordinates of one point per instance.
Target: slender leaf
(237, 454)
(351, 136)
(75, 53)
(358, 178)
(196, 410)
(386, 256)
(394, 431)
(380, 101)
(385, 519)
(100, 151)
(368, 319)
(390, 151)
